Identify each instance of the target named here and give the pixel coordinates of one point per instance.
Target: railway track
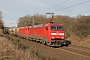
(76, 50)
(81, 52)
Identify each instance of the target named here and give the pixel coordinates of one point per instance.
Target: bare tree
(24, 21)
(1, 15)
(1, 21)
(28, 20)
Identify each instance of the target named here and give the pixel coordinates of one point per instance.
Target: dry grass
(84, 42)
(1, 32)
(9, 51)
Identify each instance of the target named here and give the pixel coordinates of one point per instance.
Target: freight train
(48, 34)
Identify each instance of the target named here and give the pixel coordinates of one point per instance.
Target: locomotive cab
(56, 35)
(57, 32)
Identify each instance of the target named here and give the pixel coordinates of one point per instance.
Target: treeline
(79, 25)
(29, 20)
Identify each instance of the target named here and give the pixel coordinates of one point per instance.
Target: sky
(14, 9)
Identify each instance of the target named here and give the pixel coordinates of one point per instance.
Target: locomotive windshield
(56, 27)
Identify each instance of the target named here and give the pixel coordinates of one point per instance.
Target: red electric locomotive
(50, 34)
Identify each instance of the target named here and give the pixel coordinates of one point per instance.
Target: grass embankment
(84, 42)
(13, 50)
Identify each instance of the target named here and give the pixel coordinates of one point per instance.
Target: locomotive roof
(40, 25)
(53, 24)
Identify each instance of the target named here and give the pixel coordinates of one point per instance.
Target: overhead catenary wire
(78, 9)
(55, 5)
(80, 12)
(69, 7)
(73, 5)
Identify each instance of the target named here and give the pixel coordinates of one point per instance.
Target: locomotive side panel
(23, 32)
(38, 32)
